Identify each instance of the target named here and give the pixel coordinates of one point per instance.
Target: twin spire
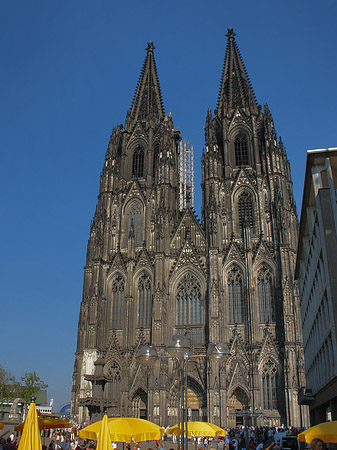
(148, 100)
(235, 88)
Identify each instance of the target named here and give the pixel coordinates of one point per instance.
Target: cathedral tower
(153, 270)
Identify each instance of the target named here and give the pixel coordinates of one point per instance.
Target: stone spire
(235, 89)
(148, 100)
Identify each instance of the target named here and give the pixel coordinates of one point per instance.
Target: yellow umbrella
(327, 431)
(103, 438)
(1, 425)
(124, 429)
(199, 429)
(30, 439)
(46, 424)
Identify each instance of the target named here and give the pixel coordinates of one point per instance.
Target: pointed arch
(235, 295)
(112, 372)
(117, 302)
(144, 290)
(134, 213)
(246, 211)
(269, 384)
(188, 297)
(138, 163)
(265, 294)
(241, 150)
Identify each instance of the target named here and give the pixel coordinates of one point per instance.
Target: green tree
(9, 386)
(31, 385)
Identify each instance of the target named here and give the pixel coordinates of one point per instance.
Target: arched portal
(139, 404)
(237, 402)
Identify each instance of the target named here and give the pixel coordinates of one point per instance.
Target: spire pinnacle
(148, 100)
(235, 89)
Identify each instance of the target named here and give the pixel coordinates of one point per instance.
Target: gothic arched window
(112, 387)
(117, 309)
(245, 209)
(235, 295)
(241, 150)
(138, 163)
(269, 385)
(265, 294)
(134, 220)
(145, 301)
(189, 300)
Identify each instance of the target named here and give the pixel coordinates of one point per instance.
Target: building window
(241, 150)
(145, 301)
(134, 221)
(112, 388)
(269, 383)
(265, 295)
(155, 162)
(189, 301)
(117, 309)
(235, 296)
(138, 163)
(246, 218)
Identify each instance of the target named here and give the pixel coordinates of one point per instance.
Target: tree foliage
(10, 388)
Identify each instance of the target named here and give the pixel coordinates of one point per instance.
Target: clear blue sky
(69, 69)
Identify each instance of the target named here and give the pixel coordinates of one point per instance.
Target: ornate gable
(117, 263)
(138, 132)
(244, 179)
(187, 256)
(238, 362)
(113, 351)
(263, 253)
(269, 348)
(239, 119)
(233, 253)
(188, 228)
(135, 191)
(143, 260)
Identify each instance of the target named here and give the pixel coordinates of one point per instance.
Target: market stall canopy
(124, 429)
(327, 431)
(103, 438)
(198, 429)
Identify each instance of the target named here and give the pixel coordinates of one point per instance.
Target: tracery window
(265, 295)
(145, 301)
(245, 206)
(138, 163)
(241, 150)
(112, 387)
(134, 220)
(235, 295)
(269, 385)
(155, 161)
(189, 300)
(118, 302)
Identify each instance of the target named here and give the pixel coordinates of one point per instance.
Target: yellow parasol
(1, 425)
(124, 429)
(327, 431)
(103, 438)
(46, 424)
(198, 429)
(30, 439)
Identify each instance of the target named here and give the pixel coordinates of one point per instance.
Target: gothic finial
(230, 33)
(150, 47)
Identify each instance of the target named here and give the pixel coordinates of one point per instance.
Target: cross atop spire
(235, 89)
(148, 100)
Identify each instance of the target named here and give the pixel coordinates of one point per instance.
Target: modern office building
(317, 280)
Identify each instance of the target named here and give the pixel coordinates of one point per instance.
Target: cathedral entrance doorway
(139, 404)
(238, 402)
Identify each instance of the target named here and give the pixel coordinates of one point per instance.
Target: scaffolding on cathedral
(186, 173)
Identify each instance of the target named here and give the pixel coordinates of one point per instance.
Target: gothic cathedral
(153, 270)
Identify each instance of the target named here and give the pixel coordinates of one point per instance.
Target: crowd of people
(241, 438)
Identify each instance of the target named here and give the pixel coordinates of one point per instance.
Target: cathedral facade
(153, 270)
